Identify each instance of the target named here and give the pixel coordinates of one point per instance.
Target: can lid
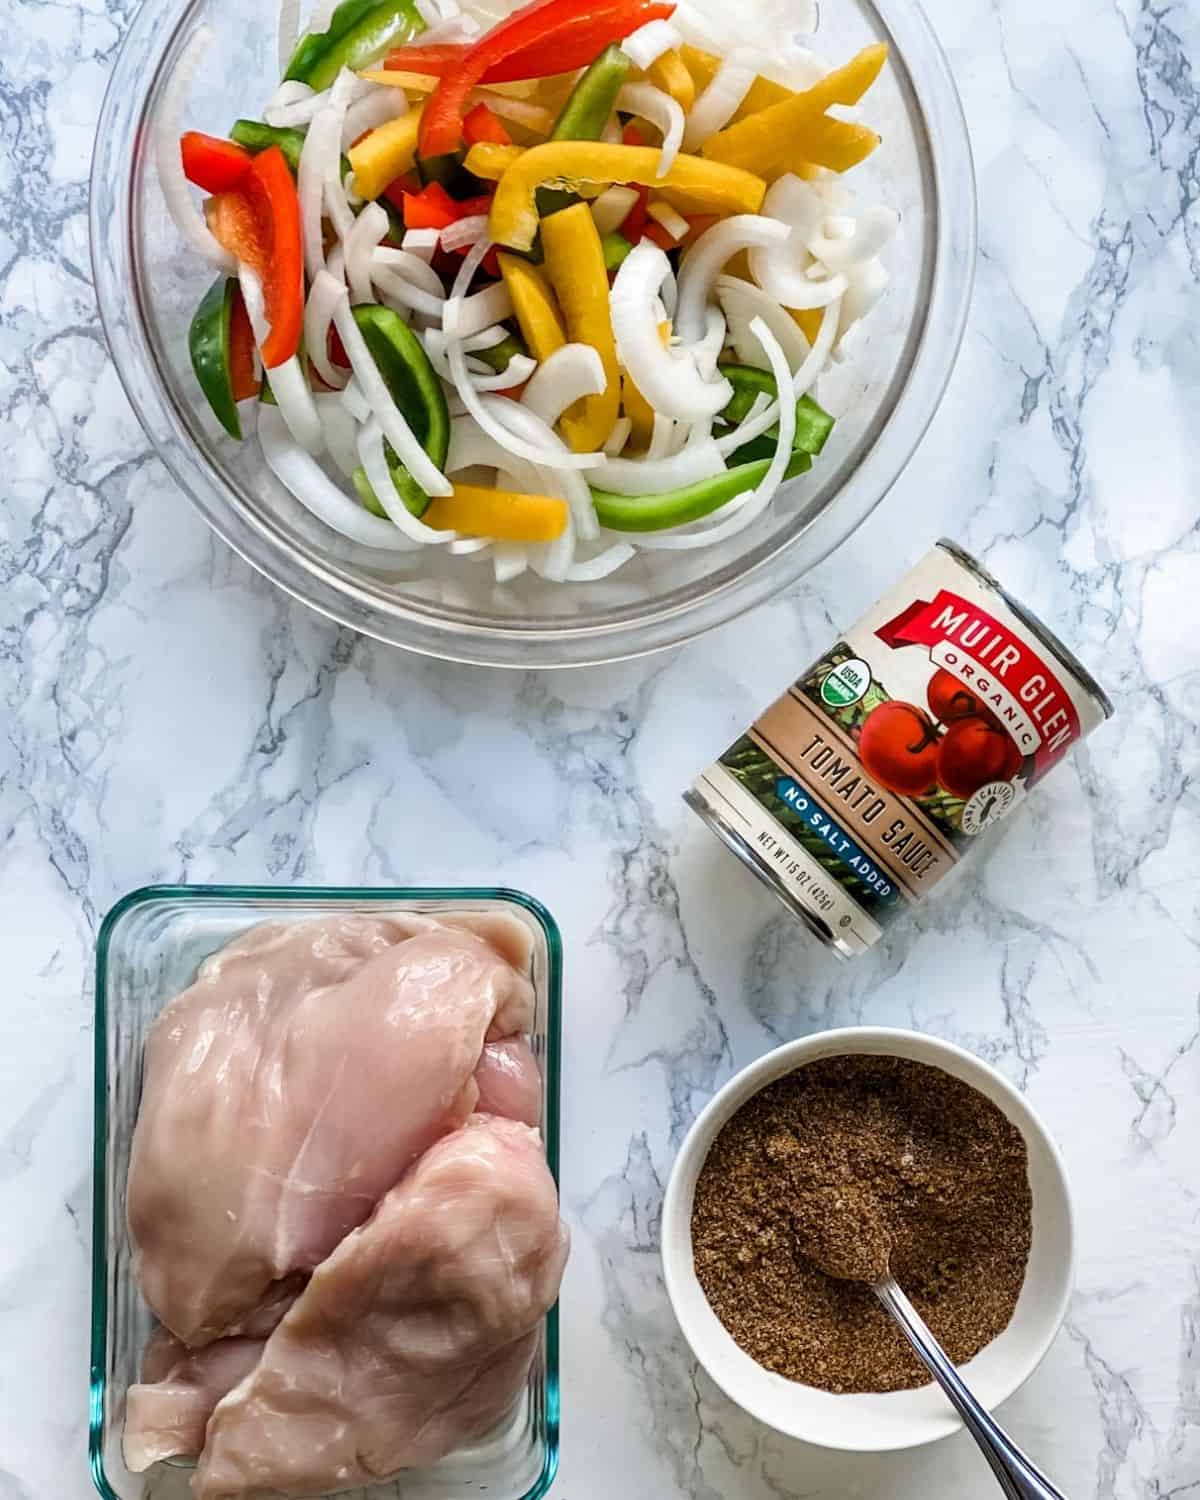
(1031, 622)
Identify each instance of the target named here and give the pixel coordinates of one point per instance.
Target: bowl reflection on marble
(148, 286)
(874, 1422)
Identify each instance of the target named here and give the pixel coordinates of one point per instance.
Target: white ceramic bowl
(898, 1419)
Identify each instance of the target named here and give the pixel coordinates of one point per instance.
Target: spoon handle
(1018, 1478)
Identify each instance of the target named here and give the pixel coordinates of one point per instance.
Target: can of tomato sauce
(861, 788)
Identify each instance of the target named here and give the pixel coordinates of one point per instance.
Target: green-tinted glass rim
(340, 895)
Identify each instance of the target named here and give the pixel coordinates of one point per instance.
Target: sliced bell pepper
(763, 141)
(477, 510)
(633, 226)
(514, 218)
(433, 60)
(636, 407)
(575, 266)
(813, 422)
(434, 208)
(807, 319)
(691, 502)
(667, 72)
(416, 390)
(257, 136)
(533, 306)
(615, 247)
(221, 346)
(481, 124)
(545, 36)
(587, 111)
(831, 143)
(259, 223)
(701, 67)
(385, 153)
(212, 163)
(359, 31)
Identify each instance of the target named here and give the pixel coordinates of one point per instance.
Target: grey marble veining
(168, 716)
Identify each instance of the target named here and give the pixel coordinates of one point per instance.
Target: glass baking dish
(148, 950)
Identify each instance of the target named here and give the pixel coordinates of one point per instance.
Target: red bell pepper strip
(632, 136)
(432, 60)
(211, 163)
(543, 37)
(482, 125)
(243, 381)
(434, 208)
(259, 224)
(633, 225)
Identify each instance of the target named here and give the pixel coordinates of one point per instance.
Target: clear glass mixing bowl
(148, 285)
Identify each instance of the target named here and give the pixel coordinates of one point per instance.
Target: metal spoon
(1018, 1478)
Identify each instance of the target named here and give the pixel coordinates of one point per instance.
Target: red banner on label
(1002, 668)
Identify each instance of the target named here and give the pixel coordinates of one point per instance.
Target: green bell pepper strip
(499, 356)
(256, 137)
(359, 32)
(208, 345)
(615, 247)
(813, 422)
(692, 502)
(764, 447)
(416, 390)
(583, 117)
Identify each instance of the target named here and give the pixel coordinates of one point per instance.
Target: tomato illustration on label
(973, 753)
(898, 746)
(949, 700)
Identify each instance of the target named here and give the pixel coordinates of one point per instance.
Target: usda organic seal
(847, 683)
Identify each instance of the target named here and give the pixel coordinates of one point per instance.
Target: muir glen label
(866, 783)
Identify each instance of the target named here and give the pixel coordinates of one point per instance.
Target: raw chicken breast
(413, 1338)
(166, 1415)
(509, 1081)
(290, 1088)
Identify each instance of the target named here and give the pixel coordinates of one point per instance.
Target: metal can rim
(1043, 634)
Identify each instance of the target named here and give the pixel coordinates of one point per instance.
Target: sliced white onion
(413, 268)
(463, 316)
(343, 93)
(397, 431)
(519, 369)
(298, 472)
(720, 101)
(839, 227)
(323, 297)
(428, 12)
(656, 106)
(603, 563)
(611, 208)
(615, 444)
(745, 509)
(762, 416)
(355, 402)
(648, 43)
(464, 232)
(177, 194)
(872, 232)
(670, 383)
(509, 560)
(322, 14)
(321, 156)
(552, 560)
(373, 457)
(670, 218)
(702, 263)
(468, 546)
(782, 270)
(742, 302)
(478, 406)
(340, 431)
(612, 133)
(662, 437)
(294, 397)
(564, 377)
(294, 104)
(377, 108)
(868, 282)
(707, 351)
(421, 243)
(532, 116)
(471, 447)
(654, 476)
(400, 294)
(287, 32)
(452, 29)
(822, 346)
(367, 231)
(529, 427)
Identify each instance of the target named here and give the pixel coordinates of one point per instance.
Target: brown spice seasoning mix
(826, 1177)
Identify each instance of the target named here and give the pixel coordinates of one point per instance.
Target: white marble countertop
(168, 716)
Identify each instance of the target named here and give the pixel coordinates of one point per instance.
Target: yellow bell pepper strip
(478, 510)
(514, 221)
(764, 140)
(575, 266)
(828, 143)
(668, 73)
(491, 162)
(385, 153)
(533, 306)
(808, 320)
